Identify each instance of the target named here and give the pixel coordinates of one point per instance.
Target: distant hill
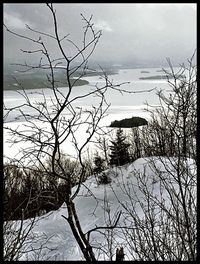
(14, 79)
(36, 83)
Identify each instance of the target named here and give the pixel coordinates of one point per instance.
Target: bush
(99, 164)
(36, 192)
(103, 178)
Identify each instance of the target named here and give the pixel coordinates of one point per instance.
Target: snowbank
(97, 205)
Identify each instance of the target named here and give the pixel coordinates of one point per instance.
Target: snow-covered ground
(95, 205)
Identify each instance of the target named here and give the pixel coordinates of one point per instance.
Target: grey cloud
(130, 31)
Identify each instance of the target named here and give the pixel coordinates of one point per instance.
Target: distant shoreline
(28, 84)
(160, 77)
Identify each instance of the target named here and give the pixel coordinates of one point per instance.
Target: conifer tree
(119, 150)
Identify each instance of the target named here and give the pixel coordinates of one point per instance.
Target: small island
(161, 77)
(129, 122)
(144, 71)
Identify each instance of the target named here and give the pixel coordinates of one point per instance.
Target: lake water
(122, 105)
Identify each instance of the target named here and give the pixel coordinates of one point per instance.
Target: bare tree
(21, 200)
(14, 238)
(173, 124)
(160, 212)
(49, 124)
(171, 130)
(136, 146)
(103, 146)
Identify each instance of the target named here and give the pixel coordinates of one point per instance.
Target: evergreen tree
(119, 150)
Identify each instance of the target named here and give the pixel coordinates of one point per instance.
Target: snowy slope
(95, 204)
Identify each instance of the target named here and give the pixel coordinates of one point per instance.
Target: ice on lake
(123, 105)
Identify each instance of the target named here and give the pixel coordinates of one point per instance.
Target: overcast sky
(131, 32)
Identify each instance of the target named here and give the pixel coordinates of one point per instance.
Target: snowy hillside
(100, 205)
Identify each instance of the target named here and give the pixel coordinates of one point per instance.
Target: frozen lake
(122, 105)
